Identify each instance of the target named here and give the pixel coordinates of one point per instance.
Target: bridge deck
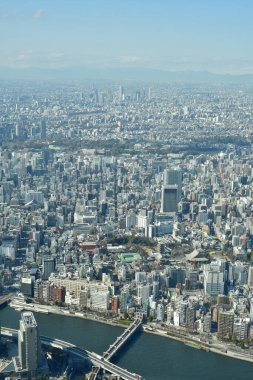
(94, 374)
(120, 341)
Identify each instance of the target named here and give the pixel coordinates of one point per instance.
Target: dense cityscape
(126, 200)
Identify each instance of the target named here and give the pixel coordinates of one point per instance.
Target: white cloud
(56, 55)
(129, 59)
(38, 14)
(21, 57)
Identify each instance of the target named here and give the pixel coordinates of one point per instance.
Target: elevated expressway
(98, 360)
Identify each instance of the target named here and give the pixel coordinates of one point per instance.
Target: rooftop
(28, 319)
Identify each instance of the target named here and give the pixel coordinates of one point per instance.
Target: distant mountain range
(123, 74)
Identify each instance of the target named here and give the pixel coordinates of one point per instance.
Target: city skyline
(126, 189)
(121, 201)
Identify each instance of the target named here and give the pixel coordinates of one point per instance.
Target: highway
(96, 359)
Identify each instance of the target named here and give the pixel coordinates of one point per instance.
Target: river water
(153, 357)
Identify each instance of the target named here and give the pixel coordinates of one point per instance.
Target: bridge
(116, 346)
(121, 340)
(98, 360)
(94, 374)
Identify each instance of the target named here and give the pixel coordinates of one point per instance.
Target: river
(153, 357)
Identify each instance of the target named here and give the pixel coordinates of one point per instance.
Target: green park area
(128, 258)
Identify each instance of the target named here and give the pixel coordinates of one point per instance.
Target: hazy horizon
(193, 35)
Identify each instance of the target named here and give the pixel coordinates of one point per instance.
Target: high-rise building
(192, 275)
(84, 298)
(213, 281)
(96, 97)
(124, 299)
(160, 312)
(140, 277)
(8, 249)
(100, 300)
(251, 309)
(115, 304)
(48, 266)
(169, 198)
(207, 323)
(177, 276)
(149, 93)
(43, 129)
(250, 277)
(121, 94)
(58, 294)
(190, 316)
(18, 130)
(173, 177)
(182, 313)
(241, 328)
(27, 286)
(28, 343)
(34, 195)
(143, 293)
(225, 323)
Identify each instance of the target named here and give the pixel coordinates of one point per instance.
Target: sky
(199, 35)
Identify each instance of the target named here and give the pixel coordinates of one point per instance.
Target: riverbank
(203, 346)
(45, 309)
(157, 357)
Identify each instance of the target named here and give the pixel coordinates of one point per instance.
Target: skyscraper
(173, 177)
(149, 93)
(169, 198)
(48, 266)
(28, 343)
(190, 316)
(96, 97)
(121, 94)
(250, 277)
(43, 129)
(225, 323)
(213, 281)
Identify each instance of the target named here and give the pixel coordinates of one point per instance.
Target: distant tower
(121, 93)
(138, 96)
(169, 198)
(28, 343)
(18, 130)
(149, 93)
(43, 129)
(96, 96)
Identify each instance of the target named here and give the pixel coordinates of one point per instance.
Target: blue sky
(213, 35)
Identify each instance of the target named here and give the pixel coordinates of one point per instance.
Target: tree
(234, 339)
(93, 230)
